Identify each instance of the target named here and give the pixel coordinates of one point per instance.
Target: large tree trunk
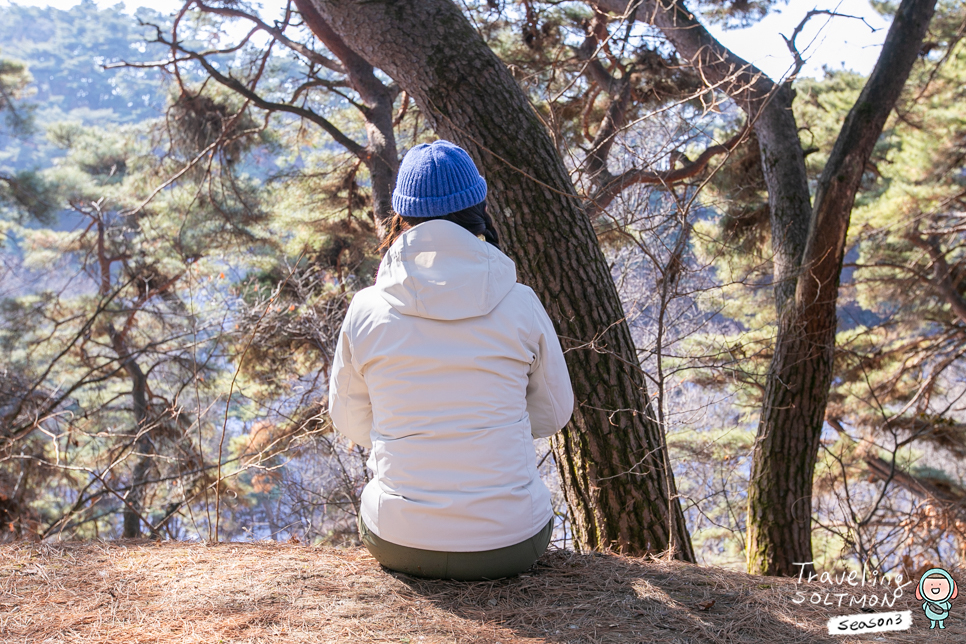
(612, 455)
(808, 245)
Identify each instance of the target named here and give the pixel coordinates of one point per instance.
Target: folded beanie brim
(439, 206)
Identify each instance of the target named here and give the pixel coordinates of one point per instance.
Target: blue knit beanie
(436, 179)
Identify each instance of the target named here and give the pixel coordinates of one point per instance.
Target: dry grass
(123, 592)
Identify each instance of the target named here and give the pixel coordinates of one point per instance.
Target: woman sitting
(448, 369)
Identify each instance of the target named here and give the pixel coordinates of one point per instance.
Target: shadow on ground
(569, 597)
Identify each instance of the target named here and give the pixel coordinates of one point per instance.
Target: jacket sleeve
(349, 405)
(550, 396)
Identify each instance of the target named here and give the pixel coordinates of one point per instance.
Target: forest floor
(166, 592)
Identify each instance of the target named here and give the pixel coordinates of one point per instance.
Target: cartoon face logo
(936, 590)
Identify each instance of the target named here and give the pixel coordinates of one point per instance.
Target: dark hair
(474, 219)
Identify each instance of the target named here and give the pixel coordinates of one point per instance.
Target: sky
(838, 43)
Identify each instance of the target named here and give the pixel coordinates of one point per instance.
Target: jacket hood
(440, 270)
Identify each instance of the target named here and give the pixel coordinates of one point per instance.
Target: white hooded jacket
(448, 369)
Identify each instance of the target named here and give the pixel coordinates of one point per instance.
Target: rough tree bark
(799, 378)
(808, 244)
(611, 455)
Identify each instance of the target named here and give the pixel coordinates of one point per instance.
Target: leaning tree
(334, 69)
(612, 456)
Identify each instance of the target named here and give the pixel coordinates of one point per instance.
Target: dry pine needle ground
(124, 592)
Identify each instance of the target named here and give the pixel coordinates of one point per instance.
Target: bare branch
(793, 48)
(238, 86)
(609, 191)
(277, 34)
(942, 273)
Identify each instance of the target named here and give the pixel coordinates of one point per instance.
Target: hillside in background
(66, 51)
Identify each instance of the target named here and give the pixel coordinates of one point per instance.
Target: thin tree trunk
(800, 375)
(382, 159)
(143, 447)
(611, 455)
